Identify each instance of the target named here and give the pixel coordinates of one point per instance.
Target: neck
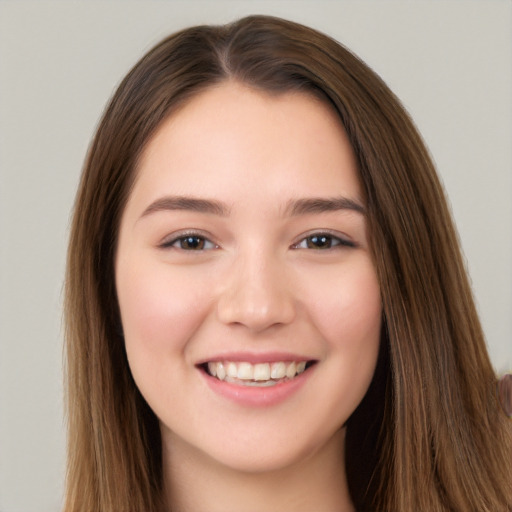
(195, 482)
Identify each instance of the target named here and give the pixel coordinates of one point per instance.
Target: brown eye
(320, 242)
(189, 243)
(323, 242)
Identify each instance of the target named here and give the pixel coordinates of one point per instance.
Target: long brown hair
(429, 435)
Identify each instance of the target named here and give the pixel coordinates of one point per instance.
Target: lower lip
(253, 396)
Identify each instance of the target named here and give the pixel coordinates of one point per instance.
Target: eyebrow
(321, 205)
(187, 203)
(293, 208)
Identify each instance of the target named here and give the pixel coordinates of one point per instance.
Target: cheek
(348, 314)
(160, 309)
(348, 311)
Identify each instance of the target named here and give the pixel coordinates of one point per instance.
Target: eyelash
(333, 241)
(200, 241)
(184, 237)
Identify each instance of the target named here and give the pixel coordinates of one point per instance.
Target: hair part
(429, 434)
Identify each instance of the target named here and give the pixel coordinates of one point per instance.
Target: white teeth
(261, 371)
(301, 366)
(261, 374)
(232, 370)
(291, 370)
(278, 370)
(212, 369)
(221, 371)
(245, 371)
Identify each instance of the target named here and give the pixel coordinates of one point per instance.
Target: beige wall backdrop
(449, 61)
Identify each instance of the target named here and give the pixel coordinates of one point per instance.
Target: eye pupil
(192, 242)
(319, 242)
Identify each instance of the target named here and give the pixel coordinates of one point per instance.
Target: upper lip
(255, 358)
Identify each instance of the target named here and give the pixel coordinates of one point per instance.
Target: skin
(257, 284)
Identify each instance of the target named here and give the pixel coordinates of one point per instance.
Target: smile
(256, 375)
(266, 381)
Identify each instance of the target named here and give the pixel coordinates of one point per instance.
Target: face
(249, 301)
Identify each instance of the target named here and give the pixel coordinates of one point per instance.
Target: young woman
(266, 304)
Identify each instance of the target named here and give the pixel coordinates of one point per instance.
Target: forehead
(231, 139)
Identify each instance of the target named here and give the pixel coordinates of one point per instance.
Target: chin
(272, 454)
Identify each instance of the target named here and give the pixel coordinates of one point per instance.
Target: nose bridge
(257, 293)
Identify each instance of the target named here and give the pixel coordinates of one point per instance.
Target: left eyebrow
(321, 205)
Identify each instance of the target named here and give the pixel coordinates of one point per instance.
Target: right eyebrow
(186, 203)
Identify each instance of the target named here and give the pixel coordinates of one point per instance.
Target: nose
(256, 294)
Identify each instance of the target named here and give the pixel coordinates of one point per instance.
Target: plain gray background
(450, 61)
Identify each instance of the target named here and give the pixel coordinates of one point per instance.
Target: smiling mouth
(257, 375)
